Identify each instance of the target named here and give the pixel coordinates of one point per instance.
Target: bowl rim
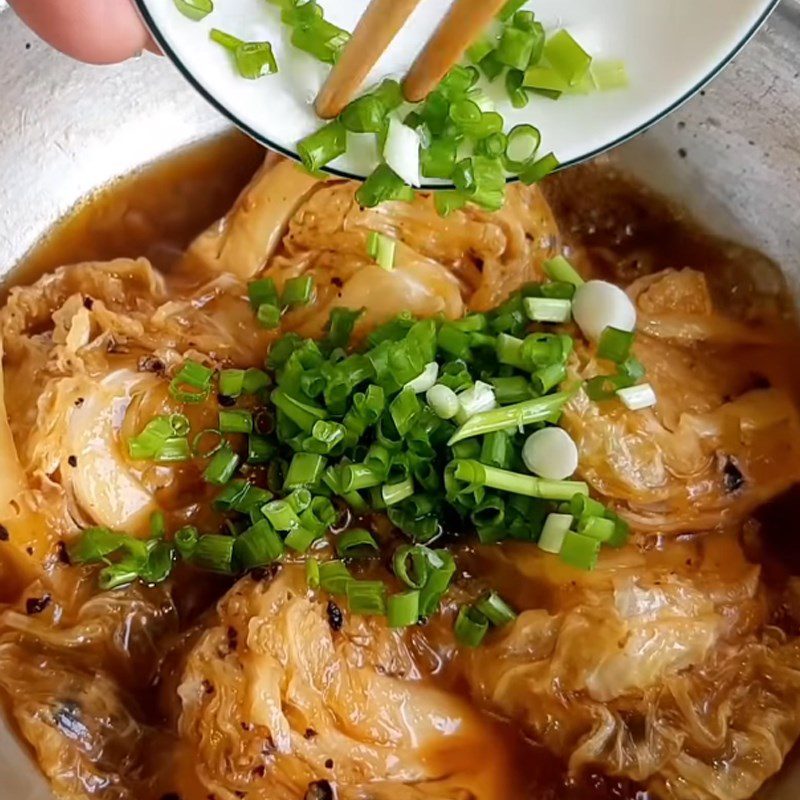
(142, 8)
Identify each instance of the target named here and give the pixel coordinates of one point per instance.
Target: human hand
(95, 31)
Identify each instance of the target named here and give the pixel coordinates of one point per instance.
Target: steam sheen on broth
(672, 671)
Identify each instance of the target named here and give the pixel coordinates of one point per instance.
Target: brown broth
(156, 212)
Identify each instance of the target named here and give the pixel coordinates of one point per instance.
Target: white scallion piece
(475, 400)
(425, 380)
(547, 309)
(443, 400)
(598, 305)
(550, 453)
(556, 527)
(638, 397)
(401, 151)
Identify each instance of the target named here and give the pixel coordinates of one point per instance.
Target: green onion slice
(471, 626)
(356, 543)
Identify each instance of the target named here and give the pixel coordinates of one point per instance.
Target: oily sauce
(156, 212)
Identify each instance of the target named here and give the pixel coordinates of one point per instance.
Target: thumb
(95, 31)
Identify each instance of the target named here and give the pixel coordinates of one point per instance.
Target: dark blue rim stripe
(162, 43)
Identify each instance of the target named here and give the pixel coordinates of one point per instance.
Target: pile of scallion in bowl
(448, 428)
(455, 137)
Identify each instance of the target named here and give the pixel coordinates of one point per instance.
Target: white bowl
(671, 49)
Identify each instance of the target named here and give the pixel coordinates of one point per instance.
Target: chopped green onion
(216, 444)
(443, 401)
(281, 515)
(516, 47)
(194, 9)
(231, 382)
(402, 610)
(597, 527)
(262, 292)
(605, 387)
(405, 409)
(354, 543)
(305, 469)
(559, 269)
(540, 169)
(312, 573)
(473, 473)
(260, 450)
(222, 466)
(515, 389)
(615, 344)
(556, 527)
(411, 565)
(397, 492)
(480, 49)
(268, 316)
(192, 382)
(567, 57)
(545, 309)
(365, 114)
(301, 413)
(381, 186)
(439, 159)
(334, 577)
(315, 35)
(175, 448)
(214, 552)
(523, 142)
(639, 397)
(496, 450)
(448, 201)
(580, 551)
(255, 381)
(609, 75)
(257, 546)
(235, 421)
(366, 597)
(298, 291)
(185, 540)
(495, 609)
(442, 567)
(539, 409)
(323, 146)
(300, 539)
(354, 477)
(471, 626)
(382, 249)
(254, 59)
(583, 506)
(227, 40)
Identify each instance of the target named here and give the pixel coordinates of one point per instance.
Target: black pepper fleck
(151, 364)
(73, 461)
(310, 733)
(35, 605)
(88, 303)
(29, 550)
(208, 687)
(319, 790)
(335, 617)
(329, 764)
(4, 535)
(63, 553)
(732, 476)
(682, 152)
(79, 402)
(233, 639)
(225, 401)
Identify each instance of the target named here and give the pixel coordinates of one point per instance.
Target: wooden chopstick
(465, 22)
(375, 30)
